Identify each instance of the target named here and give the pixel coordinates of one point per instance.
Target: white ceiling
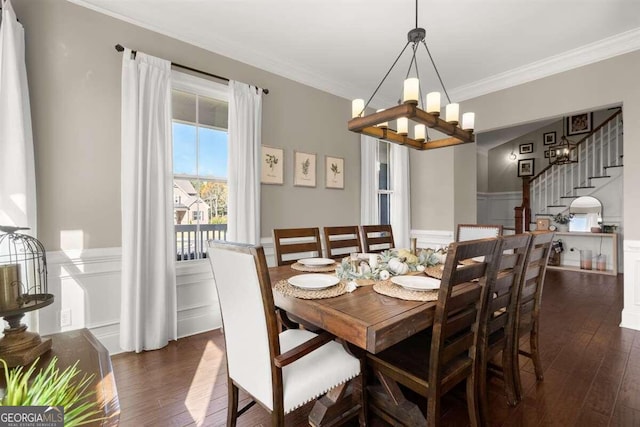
(345, 46)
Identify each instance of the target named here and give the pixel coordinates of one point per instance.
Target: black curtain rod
(120, 48)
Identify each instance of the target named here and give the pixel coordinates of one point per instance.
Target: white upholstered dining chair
(281, 371)
(477, 231)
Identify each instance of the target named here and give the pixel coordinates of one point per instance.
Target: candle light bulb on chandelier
(411, 90)
(452, 113)
(403, 125)
(433, 103)
(357, 105)
(419, 132)
(468, 121)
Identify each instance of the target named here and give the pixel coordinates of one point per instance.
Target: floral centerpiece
(562, 219)
(389, 263)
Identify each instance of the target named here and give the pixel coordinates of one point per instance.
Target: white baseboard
(631, 310)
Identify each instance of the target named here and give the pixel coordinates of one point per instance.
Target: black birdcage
(23, 288)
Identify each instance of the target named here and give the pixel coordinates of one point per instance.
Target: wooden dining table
(363, 318)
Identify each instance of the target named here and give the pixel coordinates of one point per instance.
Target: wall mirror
(587, 213)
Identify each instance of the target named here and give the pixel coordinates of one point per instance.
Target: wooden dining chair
(432, 362)
(303, 242)
(377, 238)
(466, 232)
(497, 327)
(280, 371)
(341, 241)
(529, 302)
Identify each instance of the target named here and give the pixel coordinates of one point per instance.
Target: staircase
(599, 161)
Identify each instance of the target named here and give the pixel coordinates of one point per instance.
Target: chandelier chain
(384, 78)
(437, 72)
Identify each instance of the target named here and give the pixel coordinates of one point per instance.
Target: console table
(605, 243)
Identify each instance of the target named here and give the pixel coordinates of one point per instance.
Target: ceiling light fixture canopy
(413, 107)
(566, 150)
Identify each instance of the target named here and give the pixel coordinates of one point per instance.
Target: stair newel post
(523, 212)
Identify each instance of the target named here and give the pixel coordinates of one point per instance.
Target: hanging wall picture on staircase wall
(525, 167)
(579, 123)
(549, 138)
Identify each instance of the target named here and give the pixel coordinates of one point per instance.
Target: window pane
(384, 203)
(184, 149)
(213, 112)
(213, 153)
(183, 105)
(383, 165)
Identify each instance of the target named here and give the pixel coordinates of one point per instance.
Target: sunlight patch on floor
(198, 397)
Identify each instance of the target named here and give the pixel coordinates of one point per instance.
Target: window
(200, 152)
(383, 157)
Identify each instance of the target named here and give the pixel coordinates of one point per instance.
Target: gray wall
(503, 172)
(74, 76)
(589, 88)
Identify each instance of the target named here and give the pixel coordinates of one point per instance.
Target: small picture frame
(304, 169)
(526, 148)
(334, 172)
(526, 167)
(579, 123)
(272, 166)
(550, 154)
(549, 138)
(542, 224)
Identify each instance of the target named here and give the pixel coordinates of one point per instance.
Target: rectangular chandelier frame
(368, 125)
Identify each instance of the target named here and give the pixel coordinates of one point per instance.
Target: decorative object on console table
(542, 224)
(562, 221)
(526, 148)
(549, 138)
(23, 288)
(304, 169)
(526, 167)
(334, 172)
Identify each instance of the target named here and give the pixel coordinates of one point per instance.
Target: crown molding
(618, 44)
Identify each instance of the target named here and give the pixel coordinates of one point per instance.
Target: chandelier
(425, 115)
(566, 150)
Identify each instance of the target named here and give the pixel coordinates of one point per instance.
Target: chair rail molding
(631, 310)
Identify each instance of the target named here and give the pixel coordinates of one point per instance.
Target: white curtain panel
(245, 122)
(17, 170)
(148, 306)
(400, 205)
(368, 181)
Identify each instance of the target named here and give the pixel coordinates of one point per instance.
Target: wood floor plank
(591, 371)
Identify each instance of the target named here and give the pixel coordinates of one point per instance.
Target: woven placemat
(392, 290)
(288, 290)
(435, 271)
(314, 268)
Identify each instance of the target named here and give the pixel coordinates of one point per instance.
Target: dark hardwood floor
(591, 371)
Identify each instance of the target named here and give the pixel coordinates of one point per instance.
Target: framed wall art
(334, 172)
(525, 167)
(272, 167)
(526, 148)
(542, 224)
(549, 138)
(304, 169)
(579, 123)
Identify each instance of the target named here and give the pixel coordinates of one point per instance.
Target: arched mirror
(587, 214)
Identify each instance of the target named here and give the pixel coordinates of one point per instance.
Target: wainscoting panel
(631, 310)
(86, 285)
(434, 239)
(498, 208)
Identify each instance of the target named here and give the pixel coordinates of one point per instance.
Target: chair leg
(483, 404)
(473, 405)
(232, 403)
(360, 388)
(508, 370)
(277, 419)
(535, 353)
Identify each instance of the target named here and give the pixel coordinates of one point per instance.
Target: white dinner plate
(478, 258)
(416, 283)
(311, 262)
(314, 281)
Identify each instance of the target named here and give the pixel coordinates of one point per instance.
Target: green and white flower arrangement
(393, 262)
